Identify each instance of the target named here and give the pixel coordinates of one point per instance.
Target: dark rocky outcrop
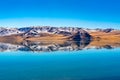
(81, 35)
(108, 30)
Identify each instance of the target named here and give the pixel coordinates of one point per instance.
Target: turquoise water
(91, 64)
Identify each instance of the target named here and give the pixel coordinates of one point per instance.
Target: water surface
(70, 60)
(88, 64)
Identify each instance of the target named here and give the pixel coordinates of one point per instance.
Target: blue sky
(78, 13)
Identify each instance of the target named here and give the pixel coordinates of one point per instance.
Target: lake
(61, 63)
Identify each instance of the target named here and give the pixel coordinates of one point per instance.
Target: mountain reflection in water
(45, 46)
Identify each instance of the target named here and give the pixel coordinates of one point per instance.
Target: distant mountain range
(47, 29)
(36, 30)
(57, 38)
(53, 33)
(28, 32)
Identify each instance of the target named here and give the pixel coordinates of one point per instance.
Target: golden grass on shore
(102, 38)
(12, 39)
(99, 39)
(111, 36)
(52, 37)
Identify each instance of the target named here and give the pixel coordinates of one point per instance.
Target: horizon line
(57, 27)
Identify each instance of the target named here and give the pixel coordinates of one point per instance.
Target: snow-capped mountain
(9, 31)
(47, 29)
(37, 30)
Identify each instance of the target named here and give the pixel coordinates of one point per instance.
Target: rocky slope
(38, 33)
(9, 31)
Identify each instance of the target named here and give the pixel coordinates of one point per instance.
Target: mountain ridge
(48, 33)
(40, 32)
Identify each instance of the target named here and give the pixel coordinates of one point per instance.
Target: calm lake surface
(92, 64)
(87, 64)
